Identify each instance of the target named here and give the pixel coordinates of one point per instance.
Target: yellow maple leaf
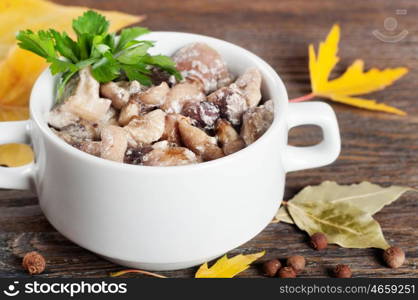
(19, 68)
(353, 82)
(228, 267)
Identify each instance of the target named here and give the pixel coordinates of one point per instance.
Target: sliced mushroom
(155, 95)
(114, 143)
(110, 118)
(250, 85)
(76, 133)
(199, 62)
(86, 102)
(229, 139)
(162, 145)
(231, 102)
(169, 156)
(59, 117)
(203, 113)
(65, 137)
(91, 147)
(147, 128)
(133, 109)
(134, 156)
(128, 112)
(256, 121)
(180, 94)
(119, 92)
(80, 131)
(171, 130)
(199, 142)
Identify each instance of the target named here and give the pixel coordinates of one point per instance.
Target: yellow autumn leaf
(15, 155)
(355, 81)
(13, 113)
(228, 267)
(19, 68)
(17, 76)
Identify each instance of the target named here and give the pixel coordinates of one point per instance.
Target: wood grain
(376, 147)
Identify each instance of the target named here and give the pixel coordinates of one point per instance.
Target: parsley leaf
(91, 23)
(39, 43)
(60, 66)
(66, 46)
(135, 73)
(106, 69)
(163, 62)
(134, 55)
(128, 35)
(109, 57)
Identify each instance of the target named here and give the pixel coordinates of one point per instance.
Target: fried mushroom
(91, 147)
(199, 142)
(256, 121)
(199, 62)
(204, 114)
(85, 102)
(181, 94)
(169, 156)
(155, 95)
(250, 85)
(114, 143)
(119, 92)
(229, 139)
(147, 128)
(231, 102)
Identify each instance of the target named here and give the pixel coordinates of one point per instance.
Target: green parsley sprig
(110, 56)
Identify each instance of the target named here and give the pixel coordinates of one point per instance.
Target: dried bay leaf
(342, 222)
(228, 267)
(282, 216)
(366, 196)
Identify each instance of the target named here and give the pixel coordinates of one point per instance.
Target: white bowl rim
(279, 115)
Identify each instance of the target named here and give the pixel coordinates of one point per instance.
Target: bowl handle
(19, 177)
(324, 153)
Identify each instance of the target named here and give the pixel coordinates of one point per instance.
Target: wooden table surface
(377, 147)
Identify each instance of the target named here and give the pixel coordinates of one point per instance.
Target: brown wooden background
(377, 147)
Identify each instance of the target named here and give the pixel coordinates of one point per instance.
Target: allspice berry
(287, 272)
(296, 262)
(342, 271)
(34, 263)
(271, 267)
(319, 241)
(394, 257)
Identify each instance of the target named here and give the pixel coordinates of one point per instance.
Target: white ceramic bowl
(165, 218)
